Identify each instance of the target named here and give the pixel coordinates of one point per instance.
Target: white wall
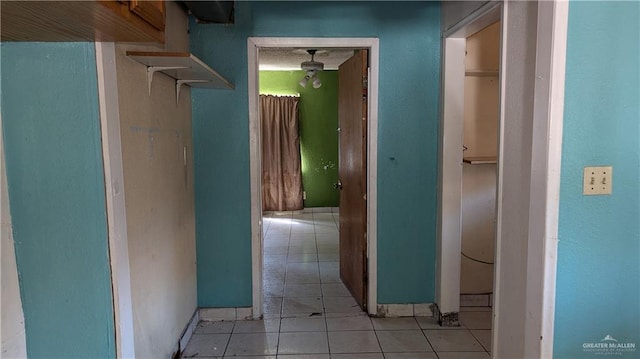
(12, 332)
(481, 93)
(478, 227)
(159, 195)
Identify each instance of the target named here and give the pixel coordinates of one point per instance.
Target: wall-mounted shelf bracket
(153, 69)
(179, 84)
(185, 68)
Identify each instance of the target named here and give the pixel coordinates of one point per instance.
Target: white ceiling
(290, 58)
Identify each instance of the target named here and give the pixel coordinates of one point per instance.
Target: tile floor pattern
(310, 314)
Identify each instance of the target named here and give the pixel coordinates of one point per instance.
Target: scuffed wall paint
(158, 187)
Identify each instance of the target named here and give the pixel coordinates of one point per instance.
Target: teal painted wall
(409, 34)
(598, 280)
(318, 136)
(53, 154)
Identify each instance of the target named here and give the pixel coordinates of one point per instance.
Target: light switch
(597, 180)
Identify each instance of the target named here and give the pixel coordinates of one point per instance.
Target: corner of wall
(12, 317)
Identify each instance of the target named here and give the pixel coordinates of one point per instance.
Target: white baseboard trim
(222, 314)
(405, 310)
(187, 333)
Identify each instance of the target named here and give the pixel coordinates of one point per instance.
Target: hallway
(310, 314)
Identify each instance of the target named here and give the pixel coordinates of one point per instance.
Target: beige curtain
(281, 169)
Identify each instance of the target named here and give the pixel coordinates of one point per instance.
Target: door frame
(115, 201)
(253, 46)
(543, 190)
(449, 237)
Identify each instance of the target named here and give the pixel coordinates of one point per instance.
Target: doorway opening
(307, 131)
(470, 180)
(479, 178)
(312, 259)
(536, 233)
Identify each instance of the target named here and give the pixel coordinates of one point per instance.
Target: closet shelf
(184, 67)
(482, 73)
(480, 160)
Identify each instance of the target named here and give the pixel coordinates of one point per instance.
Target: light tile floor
(310, 314)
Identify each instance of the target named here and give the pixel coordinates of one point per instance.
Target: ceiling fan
(311, 67)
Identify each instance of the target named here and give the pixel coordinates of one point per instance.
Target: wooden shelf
(482, 73)
(480, 160)
(184, 67)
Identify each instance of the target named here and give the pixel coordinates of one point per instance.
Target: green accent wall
(598, 280)
(51, 128)
(318, 131)
(407, 174)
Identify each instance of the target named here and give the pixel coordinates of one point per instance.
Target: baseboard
(221, 314)
(186, 334)
(405, 310)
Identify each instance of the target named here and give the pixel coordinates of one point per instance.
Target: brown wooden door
(352, 108)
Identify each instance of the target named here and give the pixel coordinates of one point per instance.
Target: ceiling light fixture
(311, 67)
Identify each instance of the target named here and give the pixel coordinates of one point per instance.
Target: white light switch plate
(597, 180)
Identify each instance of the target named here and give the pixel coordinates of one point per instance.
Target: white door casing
(253, 46)
(541, 122)
(115, 200)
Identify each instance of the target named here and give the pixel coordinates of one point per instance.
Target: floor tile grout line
(315, 239)
(279, 331)
(284, 279)
(378, 339)
(478, 340)
(226, 347)
(425, 336)
(324, 309)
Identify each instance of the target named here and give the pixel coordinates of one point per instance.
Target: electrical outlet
(597, 180)
(304, 194)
